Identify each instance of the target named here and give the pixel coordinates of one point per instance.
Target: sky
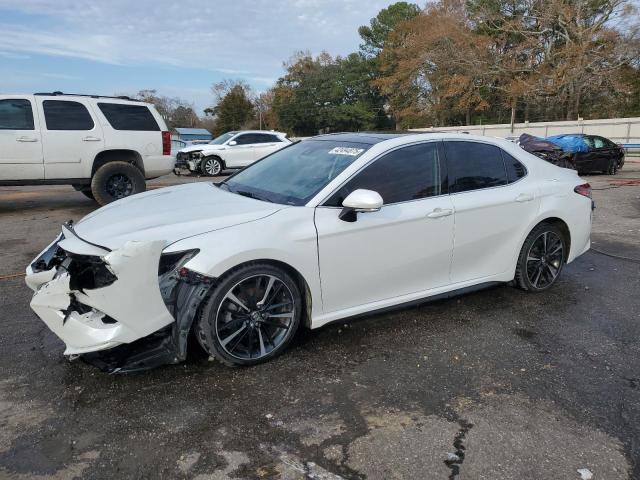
(179, 48)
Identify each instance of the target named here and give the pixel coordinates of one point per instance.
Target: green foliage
(376, 33)
(234, 109)
(324, 94)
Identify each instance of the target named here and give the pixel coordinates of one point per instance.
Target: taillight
(166, 143)
(584, 190)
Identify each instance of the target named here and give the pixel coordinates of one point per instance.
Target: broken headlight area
(183, 292)
(52, 257)
(87, 272)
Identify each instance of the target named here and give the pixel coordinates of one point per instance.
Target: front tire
(541, 258)
(211, 166)
(252, 315)
(116, 180)
(613, 167)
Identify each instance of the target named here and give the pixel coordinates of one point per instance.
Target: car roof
(85, 95)
(369, 138)
(272, 132)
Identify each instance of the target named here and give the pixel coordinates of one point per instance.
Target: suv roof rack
(59, 93)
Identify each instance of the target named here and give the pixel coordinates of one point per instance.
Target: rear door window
(473, 166)
(408, 173)
(515, 169)
(265, 138)
(66, 115)
(129, 117)
(16, 114)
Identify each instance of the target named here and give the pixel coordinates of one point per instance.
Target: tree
(234, 107)
(376, 33)
(501, 58)
(324, 94)
(184, 116)
(176, 112)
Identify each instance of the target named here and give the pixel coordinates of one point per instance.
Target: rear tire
(251, 316)
(541, 258)
(116, 180)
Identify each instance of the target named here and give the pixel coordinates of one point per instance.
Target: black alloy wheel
(119, 186)
(541, 259)
(116, 180)
(251, 317)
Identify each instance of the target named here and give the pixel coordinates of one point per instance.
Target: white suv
(230, 150)
(104, 146)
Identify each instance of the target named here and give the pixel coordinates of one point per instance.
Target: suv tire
(116, 180)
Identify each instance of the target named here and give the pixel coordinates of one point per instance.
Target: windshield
(295, 174)
(222, 138)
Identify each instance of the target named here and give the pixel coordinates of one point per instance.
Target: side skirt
(414, 303)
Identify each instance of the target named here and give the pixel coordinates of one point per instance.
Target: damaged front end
(124, 310)
(188, 161)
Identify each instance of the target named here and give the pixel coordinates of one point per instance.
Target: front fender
(287, 236)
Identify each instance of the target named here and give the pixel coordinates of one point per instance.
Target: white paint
(403, 252)
(43, 154)
(236, 154)
(620, 130)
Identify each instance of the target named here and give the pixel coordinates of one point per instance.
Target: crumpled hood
(202, 147)
(170, 214)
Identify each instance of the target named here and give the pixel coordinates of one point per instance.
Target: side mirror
(360, 201)
(232, 143)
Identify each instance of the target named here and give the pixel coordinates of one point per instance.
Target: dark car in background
(591, 153)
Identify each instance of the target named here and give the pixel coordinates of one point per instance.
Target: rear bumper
(158, 165)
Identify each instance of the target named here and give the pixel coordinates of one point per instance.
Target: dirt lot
(509, 385)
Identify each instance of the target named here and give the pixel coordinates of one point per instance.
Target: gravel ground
(491, 385)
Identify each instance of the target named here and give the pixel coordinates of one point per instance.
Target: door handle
(91, 139)
(524, 197)
(440, 212)
(26, 139)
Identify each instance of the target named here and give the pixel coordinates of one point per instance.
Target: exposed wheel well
(117, 155)
(564, 228)
(302, 283)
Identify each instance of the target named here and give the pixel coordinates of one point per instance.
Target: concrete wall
(620, 130)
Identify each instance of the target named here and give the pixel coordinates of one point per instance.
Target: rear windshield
(295, 174)
(129, 117)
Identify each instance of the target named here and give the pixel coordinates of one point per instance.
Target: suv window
(473, 165)
(245, 139)
(515, 169)
(66, 115)
(266, 138)
(408, 173)
(251, 138)
(16, 114)
(129, 117)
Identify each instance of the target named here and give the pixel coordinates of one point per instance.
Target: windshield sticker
(352, 152)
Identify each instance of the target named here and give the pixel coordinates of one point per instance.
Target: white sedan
(230, 150)
(325, 229)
